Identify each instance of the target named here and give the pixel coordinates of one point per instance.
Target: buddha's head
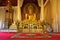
(30, 9)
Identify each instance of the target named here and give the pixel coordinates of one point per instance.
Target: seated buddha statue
(30, 15)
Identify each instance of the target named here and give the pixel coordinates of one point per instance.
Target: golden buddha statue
(30, 15)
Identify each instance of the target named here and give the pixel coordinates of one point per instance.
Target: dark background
(5, 2)
(14, 2)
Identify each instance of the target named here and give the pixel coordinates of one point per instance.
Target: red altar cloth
(7, 35)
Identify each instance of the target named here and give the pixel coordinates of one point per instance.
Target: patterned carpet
(7, 36)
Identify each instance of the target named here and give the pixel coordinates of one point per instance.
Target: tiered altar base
(30, 27)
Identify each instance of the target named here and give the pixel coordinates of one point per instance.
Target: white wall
(54, 10)
(2, 12)
(2, 16)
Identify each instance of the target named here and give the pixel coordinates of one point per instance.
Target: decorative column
(40, 2)
(42, 15)
(19, 5)
(42, 11)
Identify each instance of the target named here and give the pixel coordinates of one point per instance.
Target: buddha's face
(30, 9)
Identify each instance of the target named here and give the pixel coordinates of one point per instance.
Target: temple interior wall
(52, 14)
